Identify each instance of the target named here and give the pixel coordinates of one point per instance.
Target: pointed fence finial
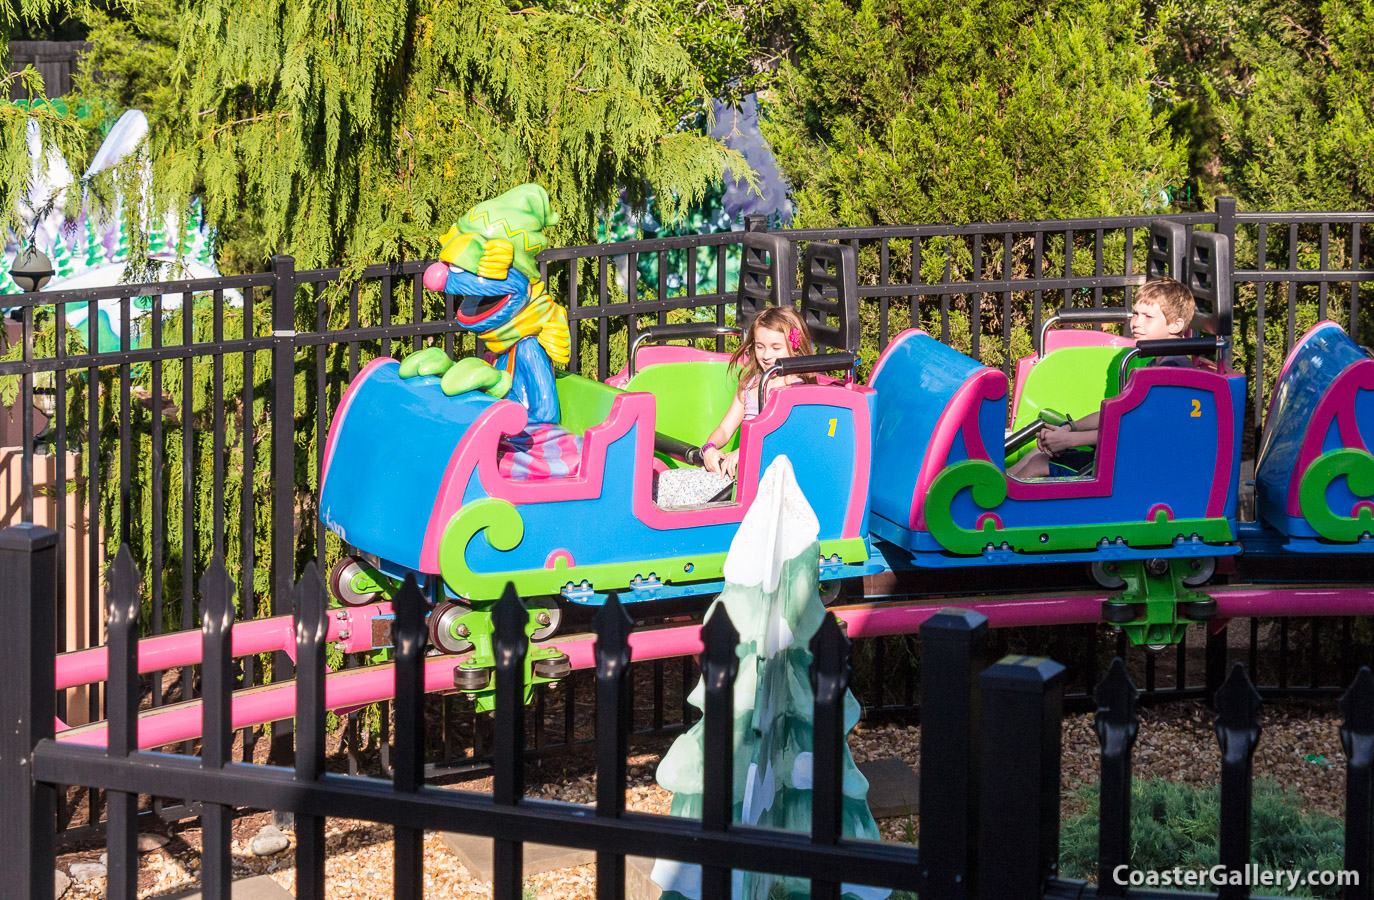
(1238, 709)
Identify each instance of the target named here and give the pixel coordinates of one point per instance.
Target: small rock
(148, 842)
(84, 872)
(60, 883)
(269, 841)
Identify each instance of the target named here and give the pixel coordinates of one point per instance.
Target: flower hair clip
(794, 338)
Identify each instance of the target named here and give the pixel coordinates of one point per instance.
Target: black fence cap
(1023, 673)
(27, 536)
(951, 621)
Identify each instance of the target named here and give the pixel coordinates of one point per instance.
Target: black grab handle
(1093, 316)
(693, 330)
(671, 446)
(1193, 346)
(685, 330)
(821, 362)
(801, 365)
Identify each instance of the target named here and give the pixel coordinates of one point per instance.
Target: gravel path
(1299, 747)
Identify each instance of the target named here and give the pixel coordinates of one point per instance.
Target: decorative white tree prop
(773, 599)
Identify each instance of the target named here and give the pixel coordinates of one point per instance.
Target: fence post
(952, 647)
(1116, 728)
(1357, 739)
(283, 474)
(1226, 224)
(756, 223)
(1018, 804)
(1238, 731)
(28, 811)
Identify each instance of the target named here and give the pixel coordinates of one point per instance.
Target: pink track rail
(358, 687)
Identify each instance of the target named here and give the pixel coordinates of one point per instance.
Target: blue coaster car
(1164, 483)
(1315, 474)
(411, 477)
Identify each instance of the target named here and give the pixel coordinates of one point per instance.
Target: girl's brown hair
(776, 318)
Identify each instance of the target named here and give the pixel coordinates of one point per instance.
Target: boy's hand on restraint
(1056, 440)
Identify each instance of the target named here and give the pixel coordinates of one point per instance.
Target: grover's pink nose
(436, 276)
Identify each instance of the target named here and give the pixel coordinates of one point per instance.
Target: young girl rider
(777, 332)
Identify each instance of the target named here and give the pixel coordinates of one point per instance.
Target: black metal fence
(990, 751)
(197, 430)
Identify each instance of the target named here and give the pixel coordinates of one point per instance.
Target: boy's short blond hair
(1172, 297)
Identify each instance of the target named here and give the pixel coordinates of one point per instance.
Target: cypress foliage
(56, 133)
(358, 131)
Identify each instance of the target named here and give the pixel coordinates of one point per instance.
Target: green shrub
(1176, 825)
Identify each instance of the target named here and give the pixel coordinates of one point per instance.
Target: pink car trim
(342, 411)
(1158, 507)
(552, 561)
(658, 354)
(1337, 404)
(962, 411)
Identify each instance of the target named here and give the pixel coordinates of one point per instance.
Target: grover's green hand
(429, 361)
(472, 374)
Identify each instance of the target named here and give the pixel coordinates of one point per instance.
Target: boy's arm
(1056, 440)
(1087, 423)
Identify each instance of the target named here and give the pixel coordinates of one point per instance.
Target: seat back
(1209, 278)
(766, 271)
(830, 295)
(1168, 243)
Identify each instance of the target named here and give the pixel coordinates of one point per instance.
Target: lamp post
(32, 269)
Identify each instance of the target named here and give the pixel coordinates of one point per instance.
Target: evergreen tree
(56, 132)
(360, 133)
(1348, 139)
(907, 111)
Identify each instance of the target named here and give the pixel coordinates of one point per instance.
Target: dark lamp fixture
(32, 269)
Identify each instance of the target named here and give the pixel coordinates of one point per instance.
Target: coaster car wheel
(1198, 610)
(1104, 573)
(546, 615)
(553, 667)
(1116, 613)
(441, 621)
(833, 591)
(1201, 571)
(341, 583)
(471, 680)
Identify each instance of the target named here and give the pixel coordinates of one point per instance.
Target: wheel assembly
(832, 591)
(442, 622)
(1105, 574)
(471, 680)
(341, 582)
(546, 615)
(553, 667)
(1198, 610)
(1121, 613)
(1200, 571)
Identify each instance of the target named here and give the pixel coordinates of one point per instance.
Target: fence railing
(189, 416)
(990, 757)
